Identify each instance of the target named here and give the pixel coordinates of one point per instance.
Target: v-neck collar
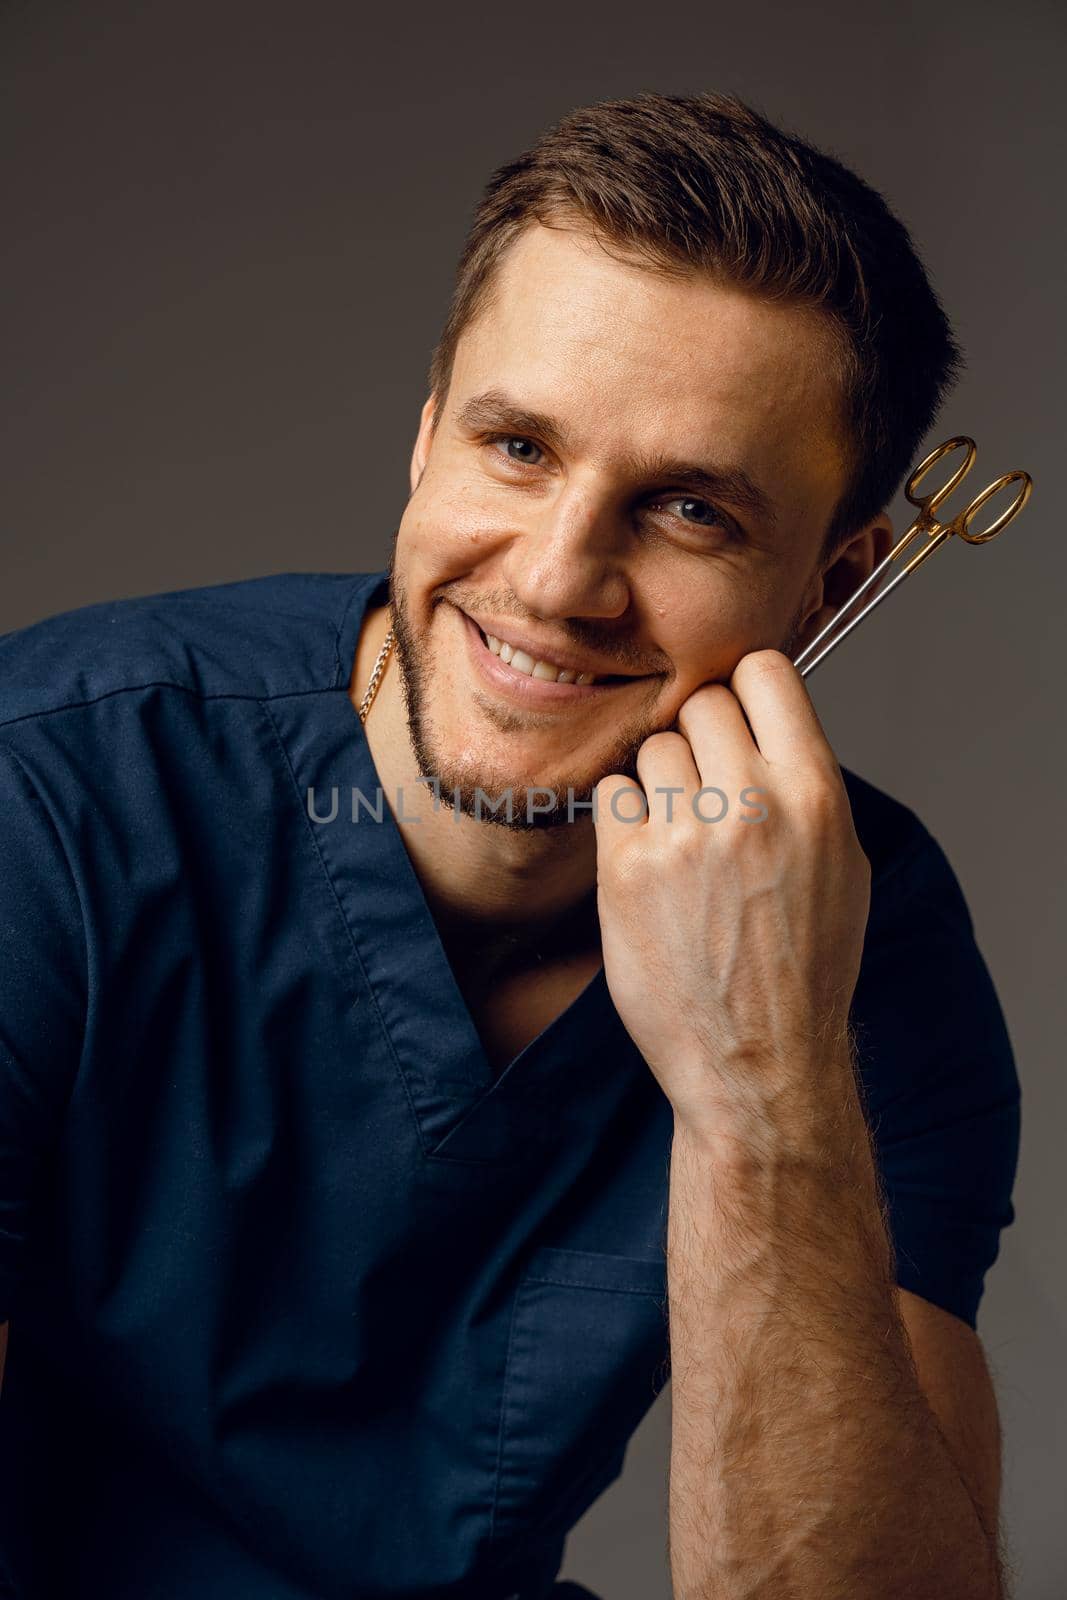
(427, 1022)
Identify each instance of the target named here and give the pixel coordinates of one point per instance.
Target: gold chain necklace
(376, 675)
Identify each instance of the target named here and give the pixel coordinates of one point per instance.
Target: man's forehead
(678, 361)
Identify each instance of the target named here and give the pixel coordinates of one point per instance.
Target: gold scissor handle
(927, 504)
(962, 523)
(937, 533)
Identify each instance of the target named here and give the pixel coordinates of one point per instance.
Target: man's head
(687, 363)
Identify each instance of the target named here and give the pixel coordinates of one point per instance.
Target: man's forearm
(805, 1460)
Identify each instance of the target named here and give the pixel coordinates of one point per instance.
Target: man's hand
(732, 948)
(805, 1459)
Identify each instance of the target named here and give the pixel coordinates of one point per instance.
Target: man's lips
(560, 656)
(520, 687)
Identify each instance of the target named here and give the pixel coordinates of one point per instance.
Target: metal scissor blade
(810, 663)
(811, 654)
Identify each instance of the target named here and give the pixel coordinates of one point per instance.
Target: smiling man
(562, 486)
(367, 1172)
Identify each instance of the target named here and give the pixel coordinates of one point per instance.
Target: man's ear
(833, 584)
(423, 440)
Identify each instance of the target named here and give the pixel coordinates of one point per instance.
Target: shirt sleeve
(42, 1003)
(936, 1065)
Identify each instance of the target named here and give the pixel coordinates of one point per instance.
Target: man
(380, 1125)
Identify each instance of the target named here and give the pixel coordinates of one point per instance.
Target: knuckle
(664, 740)
(709, 697)
(763, 663)
(823, 807)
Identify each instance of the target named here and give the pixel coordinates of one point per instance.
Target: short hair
(704, 183)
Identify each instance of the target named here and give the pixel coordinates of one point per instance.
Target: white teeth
(522, 662)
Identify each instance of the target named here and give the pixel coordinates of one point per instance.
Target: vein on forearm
(805, 1459)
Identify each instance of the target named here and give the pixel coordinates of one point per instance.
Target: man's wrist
(806, 1115)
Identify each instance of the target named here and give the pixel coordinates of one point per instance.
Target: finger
(721, 741)
(780, 712)
(620, 807)
(668, 774)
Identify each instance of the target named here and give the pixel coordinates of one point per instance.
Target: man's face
(561, 499)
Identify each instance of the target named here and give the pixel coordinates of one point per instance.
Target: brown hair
(705, 183)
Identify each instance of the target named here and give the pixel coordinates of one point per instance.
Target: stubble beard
(459, 788)
(569, 795)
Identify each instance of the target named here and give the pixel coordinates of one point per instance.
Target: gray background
(229, 237)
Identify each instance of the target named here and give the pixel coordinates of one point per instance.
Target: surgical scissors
(927, 523)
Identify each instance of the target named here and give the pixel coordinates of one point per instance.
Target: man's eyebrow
(497, 410)
(709, 483)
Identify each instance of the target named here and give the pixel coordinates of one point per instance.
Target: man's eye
(517, 449)
(702, 512)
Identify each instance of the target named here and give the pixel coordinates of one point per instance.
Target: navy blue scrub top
(305, 1301)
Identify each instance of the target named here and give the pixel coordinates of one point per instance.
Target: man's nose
(572, 557)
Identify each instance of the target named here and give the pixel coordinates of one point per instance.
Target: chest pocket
(588, 1353)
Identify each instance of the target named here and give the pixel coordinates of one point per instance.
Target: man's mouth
(547, 671)
(535, 682)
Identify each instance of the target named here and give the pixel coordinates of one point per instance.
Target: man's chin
(514, 804)
(481, 782)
